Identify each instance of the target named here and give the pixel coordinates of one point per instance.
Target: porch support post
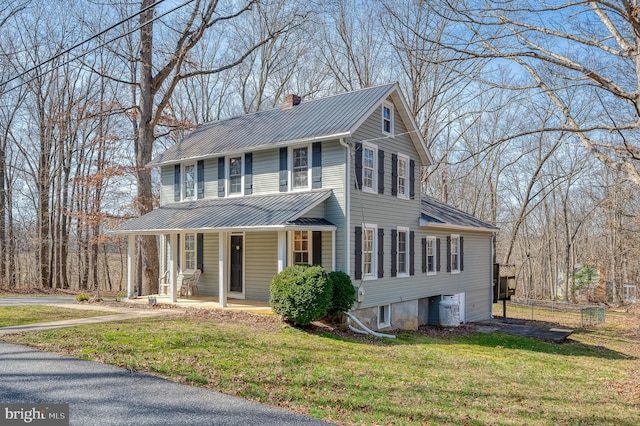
(131, 249)
(222, 268)
(173, 267)
(282, 250)
(333, 250)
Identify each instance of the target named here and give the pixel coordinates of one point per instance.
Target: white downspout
(347, 206)
(365, 329)
(131, 247)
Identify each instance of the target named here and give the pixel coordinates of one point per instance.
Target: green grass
(31, 314)
(473, 379)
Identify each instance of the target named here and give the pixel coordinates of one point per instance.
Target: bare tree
(571, 51)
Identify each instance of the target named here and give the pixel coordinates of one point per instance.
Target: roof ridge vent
(290, 101)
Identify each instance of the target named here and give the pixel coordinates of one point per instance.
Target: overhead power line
(22, 74)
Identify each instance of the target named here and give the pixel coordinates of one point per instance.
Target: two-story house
(332, 181)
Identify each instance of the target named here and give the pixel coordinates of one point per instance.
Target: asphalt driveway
(100, 394)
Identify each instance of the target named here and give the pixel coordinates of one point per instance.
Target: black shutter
(178, 257)
(284, 170)
(380, 252)
(461, 255)
(358, 254)
(394, 174)
(200, 171)
(200, 252)
(424, 255)
(412, 179)
(380, 171)
(394, 252)
(248, 173)
(176, 182)
(359, 165)
(412, 253)
(316, 241)
(438, 255)
(316, 165)
(221, 183)
(448, 254)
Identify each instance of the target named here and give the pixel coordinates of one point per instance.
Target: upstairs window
(403, 176)
(300, 168)
(369, 172)
(387, 118)
(235, 175)
(189, 181)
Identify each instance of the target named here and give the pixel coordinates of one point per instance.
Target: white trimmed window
(369, 167)
(431, 256)
(234, 165)
(301, 252)
(403, 252)
(387, 118)
(455, 253)
(369, 250)
(300, 170)
(189, 251)
(189, 182)
(403, 176)
(384, 316)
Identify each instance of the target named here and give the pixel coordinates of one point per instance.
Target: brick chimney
(290, 101)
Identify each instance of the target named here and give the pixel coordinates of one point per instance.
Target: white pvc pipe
(366, 329)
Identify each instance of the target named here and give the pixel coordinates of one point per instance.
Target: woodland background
(530, 109)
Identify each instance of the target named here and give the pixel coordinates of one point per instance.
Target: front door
(236, 284)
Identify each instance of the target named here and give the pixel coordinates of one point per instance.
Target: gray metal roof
(334, 116)
(232, 213)
(437, 214)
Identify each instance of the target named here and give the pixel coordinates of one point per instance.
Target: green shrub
(344, 293)
(82, 297)
(121, 295)
(301, 293)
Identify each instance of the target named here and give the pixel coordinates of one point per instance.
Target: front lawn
(459, 377)
(31, 314)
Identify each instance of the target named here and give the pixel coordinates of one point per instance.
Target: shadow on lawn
(471, 334)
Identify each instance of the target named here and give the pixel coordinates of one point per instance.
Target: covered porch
(206, 302)
(237, 244)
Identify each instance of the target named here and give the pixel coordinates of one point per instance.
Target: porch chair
(190, 283)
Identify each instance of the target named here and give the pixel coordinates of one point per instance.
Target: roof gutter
(225, 229)
(447, 226)
(250, 149)
(347, 204)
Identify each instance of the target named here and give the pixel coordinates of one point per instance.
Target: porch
(236, 244)
(206, 302)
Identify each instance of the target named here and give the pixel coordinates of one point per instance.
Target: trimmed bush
(344, 293)
(301, 293)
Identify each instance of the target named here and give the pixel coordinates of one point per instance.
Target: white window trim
(183, 243)
(457, 269)
(435, 256)
(389, 105)
(387, 321)
(374, 180)
(407, 178)
(290, 236)
(406, 252)
(374, 254)
(183, 182)
(309, 167)
(227, 168)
